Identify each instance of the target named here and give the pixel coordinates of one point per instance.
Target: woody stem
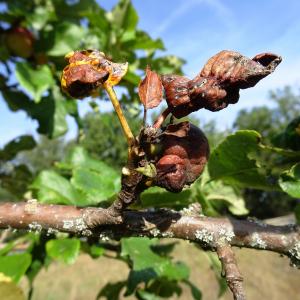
(113, 98)
(161, 118)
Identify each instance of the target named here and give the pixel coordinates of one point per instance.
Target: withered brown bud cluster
(87, 71)
(184, 147)
(185, 151)
(219, 82)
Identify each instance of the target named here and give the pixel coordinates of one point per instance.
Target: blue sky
(197, 29)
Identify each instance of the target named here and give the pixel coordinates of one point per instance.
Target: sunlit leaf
(159, 197)
(54, 188)
(234, 161)
(290, 181)
(15, 266)
(66, 37)
(35, 81)
(65, 250)
(147, 265)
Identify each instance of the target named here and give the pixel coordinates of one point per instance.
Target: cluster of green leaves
(279, 126)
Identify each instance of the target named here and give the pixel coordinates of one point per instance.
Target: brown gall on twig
(184, 155)
(219, 82)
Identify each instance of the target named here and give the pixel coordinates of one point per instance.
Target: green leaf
(196, 293)
(96, 251)
(144, 295)
(65, 250)
(111, 291)
(289, 181)
(16, 181)
(96, 186)
(93, 178)
(159, 197)
(145, 42)
(216, 191)
(290, 137)
(15, 266)
(124, 17)
(167, 64)
(132, 77)
(148, 170)
(21, 143)
(147, 265)
(35, 81)
(78, 157)
(53, 188)
(66, 37)
(50, 112)
(234, 161)
(41, 16)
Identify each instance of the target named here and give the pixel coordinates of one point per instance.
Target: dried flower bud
(218, 83)
(226, 73)
(177, 94)
(87, 71)
(234, 69)
(184, 155)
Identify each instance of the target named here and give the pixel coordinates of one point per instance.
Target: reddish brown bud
(19, 41)
(184, 155)
(177, 95)
(218, 83)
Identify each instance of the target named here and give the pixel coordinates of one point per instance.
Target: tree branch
(207, 231)
(233, 276)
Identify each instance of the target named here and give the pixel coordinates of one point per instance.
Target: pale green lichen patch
(68, 224)
(35, 227)
(295, 251)
(204, 236)
(257, 241)
(155, 232)
(167, 234)
(31, 206)
(225, 235)
(51, 231)
(104, 237)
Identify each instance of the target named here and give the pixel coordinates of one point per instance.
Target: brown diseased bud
(177, 95)
(218, 83)
(83, 75)
(87, 71)
(184, 155)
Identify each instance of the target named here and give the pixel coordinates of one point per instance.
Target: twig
(161, 118)
(233, 276)
(113, 97)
